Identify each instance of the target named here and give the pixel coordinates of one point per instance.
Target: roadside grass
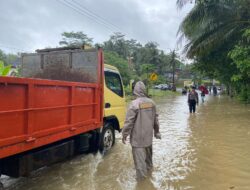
(154, 93)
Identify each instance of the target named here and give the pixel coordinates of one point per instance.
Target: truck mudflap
(82, 143)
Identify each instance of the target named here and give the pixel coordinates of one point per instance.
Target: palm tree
(212, 23)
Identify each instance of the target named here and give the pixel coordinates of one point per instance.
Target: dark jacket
(193, 96)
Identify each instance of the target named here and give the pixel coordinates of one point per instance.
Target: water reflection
(206, 150)
(221, 140)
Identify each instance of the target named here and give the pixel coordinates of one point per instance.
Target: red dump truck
(55, 110)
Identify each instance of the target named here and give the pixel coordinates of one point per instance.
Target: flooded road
(209, 150)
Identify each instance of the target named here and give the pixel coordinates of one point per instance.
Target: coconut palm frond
(181, 3)
(210, 23)
(213, 38)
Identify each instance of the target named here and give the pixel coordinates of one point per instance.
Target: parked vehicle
(162, 86)
(158, 86)
(67, 102)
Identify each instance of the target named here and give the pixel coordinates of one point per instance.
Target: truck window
(113, 82)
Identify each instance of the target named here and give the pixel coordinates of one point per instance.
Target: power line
(75, 8)
(96, 15)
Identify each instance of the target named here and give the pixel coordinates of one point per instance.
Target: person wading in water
(141, 125)
(193, 99)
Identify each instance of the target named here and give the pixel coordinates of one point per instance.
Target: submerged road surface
(206, 151)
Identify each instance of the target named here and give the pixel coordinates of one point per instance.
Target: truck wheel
(107, 138)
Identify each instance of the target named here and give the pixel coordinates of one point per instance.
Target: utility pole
(173, 72)
(147, 81)
(130, 64)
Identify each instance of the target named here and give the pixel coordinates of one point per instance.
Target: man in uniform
(141, 124)
(193, 99)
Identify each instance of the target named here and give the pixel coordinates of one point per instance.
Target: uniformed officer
(141, 124)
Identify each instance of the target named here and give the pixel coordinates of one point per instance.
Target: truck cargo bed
(37, 112)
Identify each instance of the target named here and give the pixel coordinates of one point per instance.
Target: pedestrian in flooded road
(215, 90)
(204, 91)
(203, 95)
(193, 100)
(210, 90)
(141, 125)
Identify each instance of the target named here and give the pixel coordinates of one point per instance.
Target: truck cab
(114, 107)
(114, 97)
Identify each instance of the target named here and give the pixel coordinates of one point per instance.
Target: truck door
(114, 96)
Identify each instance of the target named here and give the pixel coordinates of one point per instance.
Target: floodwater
(209, 150)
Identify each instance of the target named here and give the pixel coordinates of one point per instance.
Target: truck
(66, 102)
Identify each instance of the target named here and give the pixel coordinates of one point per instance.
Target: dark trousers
(192, 106)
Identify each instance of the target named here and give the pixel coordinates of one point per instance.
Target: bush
(4, 70)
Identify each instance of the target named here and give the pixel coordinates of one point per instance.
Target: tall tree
(240, 56)
(128, 55)
(114, 59)
(124, 48)
(9, 58)
(75, 39)
(213, 28)
(213, 22)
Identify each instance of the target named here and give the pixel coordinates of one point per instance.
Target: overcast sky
(28, 25)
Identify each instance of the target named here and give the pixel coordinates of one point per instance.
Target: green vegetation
(134, 60)
(8, 59)
(4, 70)
(160, 93)
(152, 93)
(75, 39)
(218, 33)
(241, 58)
(114, 59)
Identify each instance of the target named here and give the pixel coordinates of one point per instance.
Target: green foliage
(141, 57)
(114, 59)
(75, 39)
(148, 68)
(8, 58)
(212, 23)
(124, 48)
(218, 35)
(128, 90)
(2, 55)
(241, 58)
(4, 70)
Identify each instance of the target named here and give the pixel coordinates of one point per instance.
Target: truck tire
(107, 139)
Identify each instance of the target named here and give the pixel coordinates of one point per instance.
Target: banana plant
(4, 70)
